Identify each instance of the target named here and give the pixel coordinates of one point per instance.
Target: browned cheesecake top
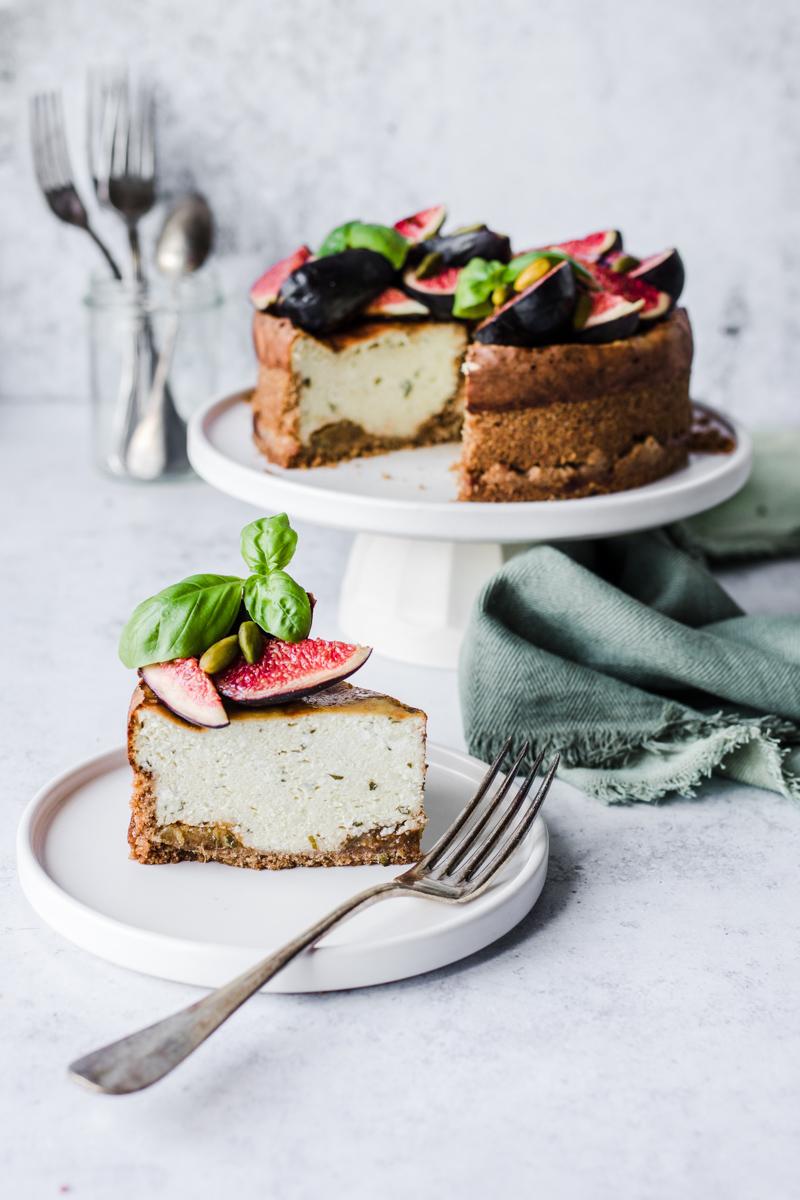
(513, 377)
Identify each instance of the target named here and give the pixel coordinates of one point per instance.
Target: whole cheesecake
(564, 371)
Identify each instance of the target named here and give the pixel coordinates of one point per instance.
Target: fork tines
(492, 825)
(49, 142)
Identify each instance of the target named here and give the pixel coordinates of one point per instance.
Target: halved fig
(264, 291)
(456, 249)
(592, 247)
(324, 294)
(422, 225)
(654, 302)
(606, 317)
(436, 292)
(288, 670)
(664, 271)
(535, 314)
(394, 303)
(187, 691)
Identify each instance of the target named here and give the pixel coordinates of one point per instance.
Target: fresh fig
(664, 271)
(394, 303)
(456, 249)
(619, 261)
(535, 314)
(436, 292)
(422, 225)
(593, 247)
(324, 294)
(654, 303)
(187, 691)
(264, 291)
(606, 317)
(287, 671)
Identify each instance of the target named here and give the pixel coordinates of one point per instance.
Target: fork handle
(104, 250)
(144, 1057)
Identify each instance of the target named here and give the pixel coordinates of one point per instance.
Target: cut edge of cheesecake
(179, 771)
(386, 385)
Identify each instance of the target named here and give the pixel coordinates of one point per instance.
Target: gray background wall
(676, 121)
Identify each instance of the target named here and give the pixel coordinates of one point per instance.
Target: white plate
(203, 923)
(412, 493)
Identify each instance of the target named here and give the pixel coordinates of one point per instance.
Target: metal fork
(54, 171)
(460, 866)
(122, 153)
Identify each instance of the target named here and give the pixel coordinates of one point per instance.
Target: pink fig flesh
(592, 247)
(654, 302)
(187, 691)
(288, 670)
(394, 303)
(422, 225)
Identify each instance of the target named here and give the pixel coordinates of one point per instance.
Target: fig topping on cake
(325, 294)
(422, 225)
(436, 292)
(187, 691)
(535, 314)
(287, 672)
(264, 291)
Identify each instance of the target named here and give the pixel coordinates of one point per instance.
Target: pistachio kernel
(625, 262)
(251, 641)
(533, 272)
(220, 656)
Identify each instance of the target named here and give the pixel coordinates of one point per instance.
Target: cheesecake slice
(332, 779)
(382, 386)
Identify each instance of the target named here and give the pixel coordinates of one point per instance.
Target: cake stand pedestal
(420, 557)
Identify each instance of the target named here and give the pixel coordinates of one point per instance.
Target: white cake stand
(420, 556)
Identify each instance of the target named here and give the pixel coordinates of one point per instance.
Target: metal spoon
(158, 443)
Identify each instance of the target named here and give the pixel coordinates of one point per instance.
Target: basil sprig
(481, 277)
(183, 620)
(268, 544)
(356, 235)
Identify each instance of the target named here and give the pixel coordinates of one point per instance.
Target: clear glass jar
(139, 336)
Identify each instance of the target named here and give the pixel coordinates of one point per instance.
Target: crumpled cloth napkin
(630, 658)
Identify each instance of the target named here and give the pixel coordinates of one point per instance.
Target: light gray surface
(636, 1037)
(676, 122)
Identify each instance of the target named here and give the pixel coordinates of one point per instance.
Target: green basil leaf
(279, 605)
(356, 235)
(269, 543)
(337, 240)
(477, 281)
(181, 621)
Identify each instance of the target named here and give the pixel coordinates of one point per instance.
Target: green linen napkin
(629, 657)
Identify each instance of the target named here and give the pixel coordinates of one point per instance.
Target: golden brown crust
(501, 378)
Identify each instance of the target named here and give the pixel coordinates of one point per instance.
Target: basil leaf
(477, 281)
(181, 621)
(337, 240)
(356, 235)
(279, 605)
(269, 543)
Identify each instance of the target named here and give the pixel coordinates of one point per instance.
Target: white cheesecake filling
(390, 383)
(288, 785)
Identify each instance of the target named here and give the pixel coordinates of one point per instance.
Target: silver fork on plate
(54, 170)
(461, 865)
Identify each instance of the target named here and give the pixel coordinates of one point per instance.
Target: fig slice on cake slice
(288, 670)
(664, 271)
(536, 313)
(264, 291)
(606, 317)
(394, 303)
(187, 691)
(593, 247)
(436, 292)
(324, 294)
(422, 225)
(655, 303)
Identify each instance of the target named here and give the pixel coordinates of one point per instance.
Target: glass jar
(143, 336)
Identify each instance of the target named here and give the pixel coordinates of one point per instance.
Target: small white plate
(203, 923)
(412, 493)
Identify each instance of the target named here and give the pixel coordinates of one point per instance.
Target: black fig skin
(456, 249)
(438, 300)
(668, 275)
(612, 330)
(326, 294)
(535, 315)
